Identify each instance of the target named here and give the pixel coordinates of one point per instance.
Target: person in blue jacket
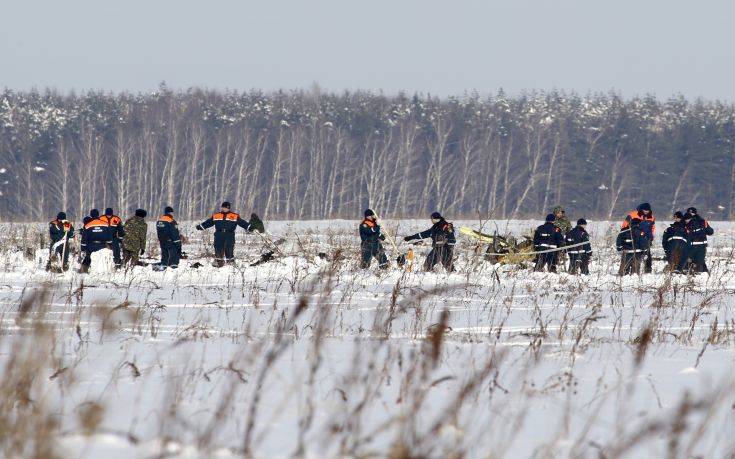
(169, 239)
(547, 237)
(674, 243)
(442, 243)
(697, 229)
(633, 244)
(225, 223)
(370, 241)
(97, 235)
(579, 257)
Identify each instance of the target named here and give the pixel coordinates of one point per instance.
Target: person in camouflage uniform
(565, 226)
(135, 233)
(561, 222)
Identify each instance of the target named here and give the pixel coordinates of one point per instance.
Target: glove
(382, 237)
(409, 238)
(199, 228)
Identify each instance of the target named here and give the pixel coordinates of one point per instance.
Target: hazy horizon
(445, 49)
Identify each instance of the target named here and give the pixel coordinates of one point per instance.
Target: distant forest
(314, 155)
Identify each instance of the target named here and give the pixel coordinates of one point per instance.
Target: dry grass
(420, 372)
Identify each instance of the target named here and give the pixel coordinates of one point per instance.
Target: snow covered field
(312, 357)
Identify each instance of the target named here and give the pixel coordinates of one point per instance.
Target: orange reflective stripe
(369, 223)
(95, 223)
(165, 218)
(230, 216)
(634, 214)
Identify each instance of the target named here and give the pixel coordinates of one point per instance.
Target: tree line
(311, 155)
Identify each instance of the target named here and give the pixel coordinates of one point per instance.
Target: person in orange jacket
(118, 233)
(97, 235)
(225, 223)
(647, 224)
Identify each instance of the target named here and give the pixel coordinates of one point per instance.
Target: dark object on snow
(184, 256)
(265, 258)
(322, 255)
(196, 265)
(401, 260)
(256, 224)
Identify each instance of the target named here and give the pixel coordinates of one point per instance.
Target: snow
(175, 358)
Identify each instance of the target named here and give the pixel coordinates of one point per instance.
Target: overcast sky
(428, 46)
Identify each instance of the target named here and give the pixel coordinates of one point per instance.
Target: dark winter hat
(644, 207)
(168, 210)
(109, 211)
(688, 216)
(550, 218)
(61, 216)
(140, 213)
(581, 222)
(87, 219)
(94, 213)
(369, 213)
(678, 215)
(436, 216)
(225, 205)
(692, 210)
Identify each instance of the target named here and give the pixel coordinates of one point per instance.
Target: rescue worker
(370, 246)
(579, 256)
(169, 239)
(675, 244)
(134, 240)
(442, 243)
(697, 230)
(632, 242)
(648, 224)
(118, 233)
(60, 231)
(225, 223)
(547, 237)
(561, 221)
(97, 235)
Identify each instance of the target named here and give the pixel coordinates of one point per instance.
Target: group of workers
(684, 242)
(128, 240)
